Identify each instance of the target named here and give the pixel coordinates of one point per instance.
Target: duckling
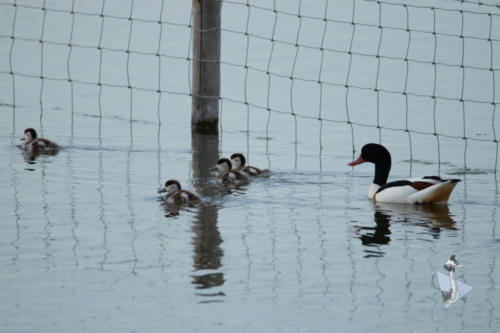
(228, 176)
(176, 195)
(238, 161)
(36, 145)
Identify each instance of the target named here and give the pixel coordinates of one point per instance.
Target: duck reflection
(207, 238)
(379, 234)
(30, 156)
(434, 218)
(172, 209)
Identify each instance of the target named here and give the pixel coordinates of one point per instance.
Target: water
(86, 243)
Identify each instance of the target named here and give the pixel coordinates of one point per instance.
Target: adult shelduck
(424, 190)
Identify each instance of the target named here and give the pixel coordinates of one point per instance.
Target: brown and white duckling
(176, 195)
(238, 161)
(228, 176)
(38, 145)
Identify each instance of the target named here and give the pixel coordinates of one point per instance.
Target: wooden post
(206, 66)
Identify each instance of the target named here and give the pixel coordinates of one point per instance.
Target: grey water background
(86, 244)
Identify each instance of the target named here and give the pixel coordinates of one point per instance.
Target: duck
(419, 190)
(36, 145)
(238, 161)
(176, 195)
(229, 176)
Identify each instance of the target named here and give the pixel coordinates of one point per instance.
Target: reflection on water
(207, 238)
(15, 242)
(73, 206)
(172, 209)
(433, 217)
(130, 208)
(436, 217)
(207, 251)
(102, 213)
(83, 217)
(379, 234)
(30, 156)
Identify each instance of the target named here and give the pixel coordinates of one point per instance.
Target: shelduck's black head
(238, 160)
(374, 153)
(378, 155)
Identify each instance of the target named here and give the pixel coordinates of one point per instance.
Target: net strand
(158, 49)
(320, 72)
(11, 50)
(466, 68)
(268, 73)
(42, 83)
(371, 25)
(377, 92)
(405, 90)
(297, 49)
(68, 70)
(99, 83)
(245, 82)
(348, 75)
(131, 28)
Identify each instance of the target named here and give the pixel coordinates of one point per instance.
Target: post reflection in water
(433, 217)
(207, 238)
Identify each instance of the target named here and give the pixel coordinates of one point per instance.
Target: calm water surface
(87, 244)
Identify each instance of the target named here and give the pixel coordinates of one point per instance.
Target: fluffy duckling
(176, 195)
(228, 176)
(238, 161)
(36, 145)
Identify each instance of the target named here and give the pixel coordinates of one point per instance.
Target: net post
(206, 66)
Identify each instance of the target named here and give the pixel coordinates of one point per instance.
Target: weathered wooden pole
(205, 137)
(206, 66)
